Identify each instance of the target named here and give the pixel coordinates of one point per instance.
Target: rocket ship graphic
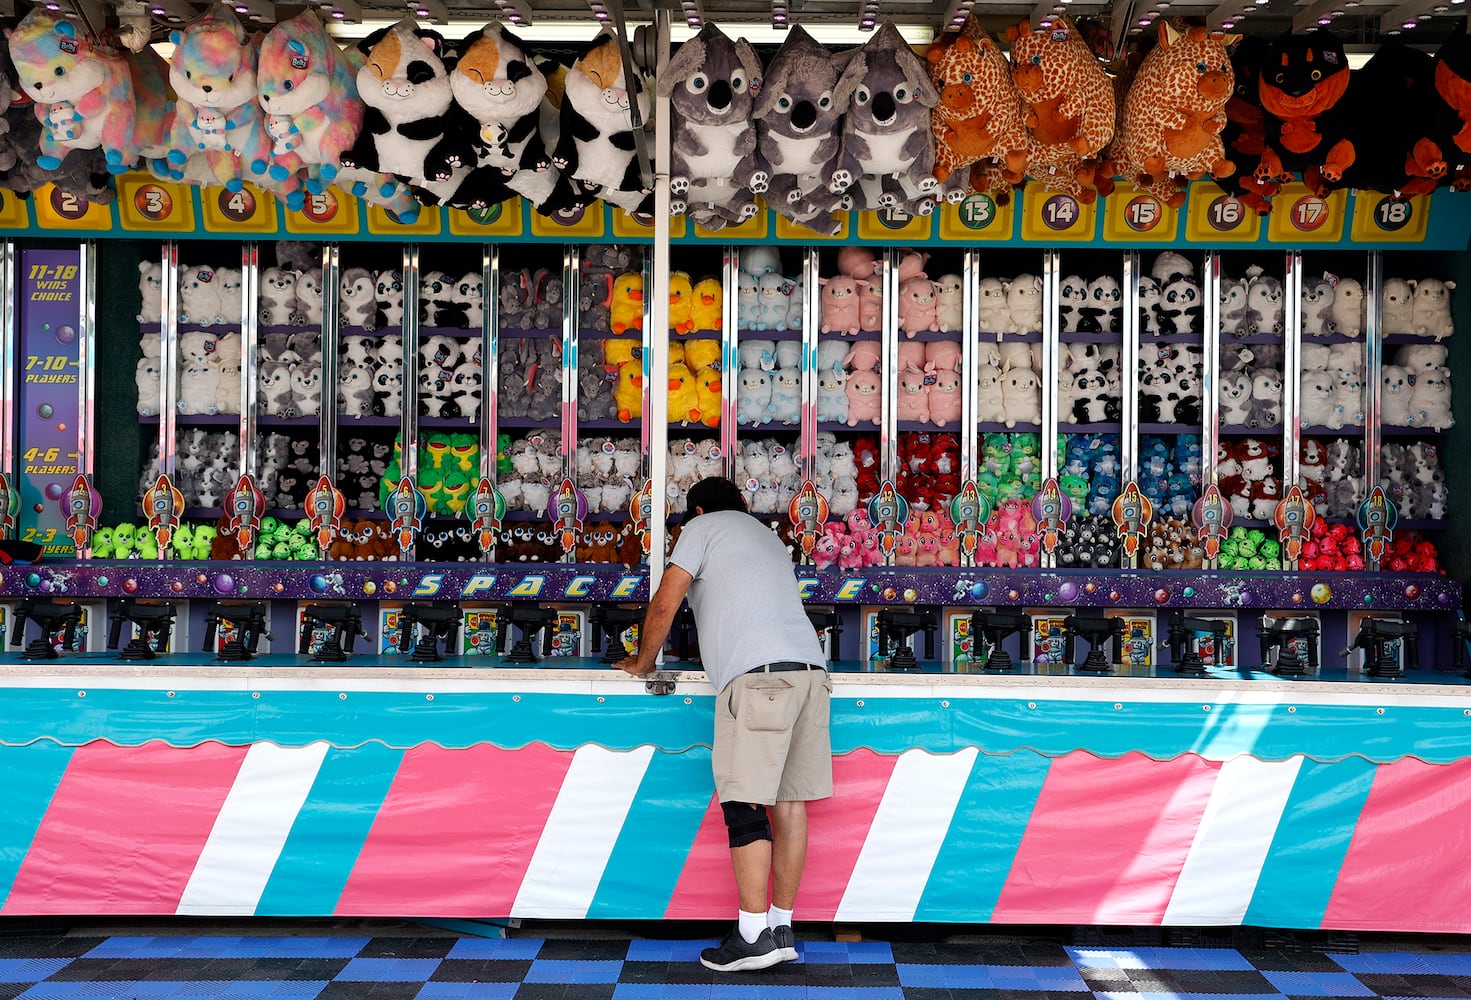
(1131, 513)
(406, 510)
(324, 507)
(808, 512)
(164, 504)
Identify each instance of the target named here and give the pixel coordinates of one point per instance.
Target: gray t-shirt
(744, 596)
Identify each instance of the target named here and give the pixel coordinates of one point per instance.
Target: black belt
(782, 665)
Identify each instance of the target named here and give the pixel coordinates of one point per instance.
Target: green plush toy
(456, 491)
(464, 453)
(434, 452)
(123, 541)
(204, 540)
(262, 550)
(1075, 487)
(431, 482)
(182, 542)
(102, 543)
(503, 465)
(147, 544)
(1271, 549)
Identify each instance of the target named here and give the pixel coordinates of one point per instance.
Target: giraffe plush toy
(978, 122)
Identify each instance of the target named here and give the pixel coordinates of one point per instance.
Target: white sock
(777, 917)
(751, 925)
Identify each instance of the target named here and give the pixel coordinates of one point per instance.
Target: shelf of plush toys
(850, 440)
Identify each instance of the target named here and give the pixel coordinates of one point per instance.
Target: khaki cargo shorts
(772, 742)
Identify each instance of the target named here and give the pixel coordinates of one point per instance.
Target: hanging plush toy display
(1245, 135)
(1174, 114)
(712, 84)
(1303, 80)
(980, 135)
(888, 153)
(310, 99)
(798, 120)
(1452, 105)
(1393, 101)
(1070, 105)
(498, 84)
(83, 93)
(83, 172)
(408, 128)
(597, 147)
(219, 132)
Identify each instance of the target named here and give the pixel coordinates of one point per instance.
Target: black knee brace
(746, 822)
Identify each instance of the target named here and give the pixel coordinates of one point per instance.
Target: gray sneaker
(736, 955)
(786, 942)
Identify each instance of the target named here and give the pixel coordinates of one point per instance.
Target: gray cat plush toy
(798, 117)
(712, 84)
(888, 157)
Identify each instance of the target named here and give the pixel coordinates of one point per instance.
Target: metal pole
(969, 331)
(168, 359)
(1210, 403)
(249, 342)
(1291, 373)
(331, 323)
(656, 414)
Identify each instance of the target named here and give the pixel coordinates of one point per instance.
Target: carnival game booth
(1120, 499)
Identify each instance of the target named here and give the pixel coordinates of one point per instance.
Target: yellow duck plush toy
(707, 387)
(681, 302)
(619, 352)
(708, 308)
(684, 396)
(701, 354)
(627, 309)
(629, 394)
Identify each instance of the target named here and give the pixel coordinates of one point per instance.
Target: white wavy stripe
(251, 828)
(580, 832)
(908, 829)
(1225, 861)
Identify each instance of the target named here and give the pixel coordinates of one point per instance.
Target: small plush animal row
(1413, 478)
(207, 295)
(1331, 472)
(1415, 389)
(208, 376)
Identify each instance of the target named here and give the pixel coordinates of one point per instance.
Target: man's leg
(753, 870)
(788, 855)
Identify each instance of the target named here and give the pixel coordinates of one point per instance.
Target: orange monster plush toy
(1069, 104)
(1453, 105)
(1174, 113)
(1303, 79)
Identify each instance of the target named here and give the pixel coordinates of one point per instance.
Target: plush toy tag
(1059, 34)
(923, 438)
(715, 451)
(755, 85)
(752, 484)
(206, 275)
(689, 447)
(1330, 57)
(637, 352)
(608, 448)
(930, 380)
(788, 287)
(610, 375)
(536, 440)
(298, 62)
(69, 46)
(1331, 278)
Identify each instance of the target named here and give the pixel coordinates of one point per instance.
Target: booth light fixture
(516, 12)
(694, 15)
(255, 10)
(780, 15)
(430, 10)
(1228, 13)
(1408, 15)
(346, 11)
(172, 10)
(959, 11)
(868, 16)
(599, 10)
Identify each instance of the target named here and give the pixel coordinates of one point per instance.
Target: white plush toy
(1024, 304)
(306, 389)
(1317, 307)
(1349, 307)
(1266, 398)
(360, 351)
(1105, 305)
(199, 383)
(390, 291)
(753, 396)
(1263, 304)
(388, 382)
(1072, 296)
(278, 296)
(990, 407)
(309, 297)
(1348, 397)
(197, 345)
(1430, 402)
(1397, 308)
(1394, 396)
(468, 295)
(274, 390)
(1419, 357)
(1317, 405)
(199, 296)
(992, 312)
(227, 360)
(748, 302)
(359, 305)
(1431, 308)
(1021, 397)
(786, 397)
(150, 287)
(1233, 306)
(354, 390)
(229, 282)
(147, 377)
(1179, 308)
(948, 302)
(1235, 396)
(468, 379)
(1170, 265)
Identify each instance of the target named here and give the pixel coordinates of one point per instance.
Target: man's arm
(657, 621)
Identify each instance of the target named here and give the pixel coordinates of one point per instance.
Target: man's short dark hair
(712, 494)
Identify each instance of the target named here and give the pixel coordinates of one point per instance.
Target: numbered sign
(1050, 217)
(494, 221)
(1131, 217)
(1212, 216)
(150, 205)
(1379, 218)
(586, 221)
(888, 225)
(333, 212)
(1300, 216)
(248, 210)
(429, 223)
(786, 229)
(62, 210)
(631, 226)
(977, 218)
(756, 228)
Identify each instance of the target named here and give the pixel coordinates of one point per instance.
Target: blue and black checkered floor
(442, 966)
